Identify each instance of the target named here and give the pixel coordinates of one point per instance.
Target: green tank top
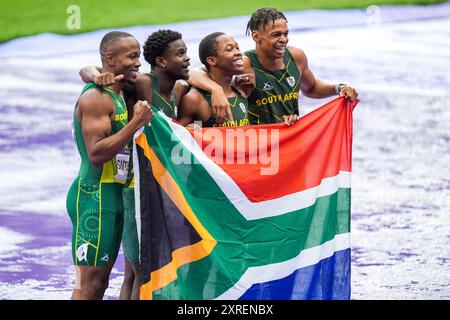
(276, 93)
(116, 169)
(168, 107)
(239, 109)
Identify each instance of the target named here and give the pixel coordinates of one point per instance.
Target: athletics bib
(122, 162)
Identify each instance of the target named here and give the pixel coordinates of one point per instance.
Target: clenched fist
(143, 114)
(348, 93)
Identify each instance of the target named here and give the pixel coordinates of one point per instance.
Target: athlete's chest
(278, 81)
(119, 116)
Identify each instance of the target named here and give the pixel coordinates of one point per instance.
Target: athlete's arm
(198, 77)
(88, 73)
(129, 94)
(315, 88)
(244, 83)
(94, 74)
(248, 69)
(188, 108)
(181, 88)
(144, 88)
(310, 86)
(94, 112)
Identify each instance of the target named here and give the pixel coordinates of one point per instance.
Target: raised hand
(220, 106)
(143, 114)
(107, 79)
(244, 82)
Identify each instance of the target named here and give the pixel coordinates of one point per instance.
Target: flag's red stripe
(323, 149)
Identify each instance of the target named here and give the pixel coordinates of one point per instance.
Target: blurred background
(396, 53)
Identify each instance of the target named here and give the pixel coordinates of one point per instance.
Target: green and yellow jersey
(239, 109)
(94, 201)
(276, 92)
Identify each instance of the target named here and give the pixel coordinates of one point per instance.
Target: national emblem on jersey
(242, 106)
(291, 81)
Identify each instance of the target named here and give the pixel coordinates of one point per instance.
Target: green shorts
(130, 240)
(96, 211)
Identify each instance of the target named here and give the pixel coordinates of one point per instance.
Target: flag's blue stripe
(328, 279)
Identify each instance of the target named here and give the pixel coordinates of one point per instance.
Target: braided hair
(261, 17)
(157, 43)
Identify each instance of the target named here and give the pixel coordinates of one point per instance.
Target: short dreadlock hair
(157, 43)
(261, 17)
(208, 47)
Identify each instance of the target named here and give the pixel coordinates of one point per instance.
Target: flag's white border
(276, 271)
(137, 194)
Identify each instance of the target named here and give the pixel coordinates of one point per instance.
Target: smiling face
(175, 60)
(228, 56)
(272, 39)
(126, 58)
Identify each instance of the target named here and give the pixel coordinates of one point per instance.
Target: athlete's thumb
(119, 77)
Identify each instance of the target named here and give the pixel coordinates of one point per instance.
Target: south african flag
(257, 212)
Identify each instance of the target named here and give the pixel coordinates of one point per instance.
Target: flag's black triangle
(163, 226)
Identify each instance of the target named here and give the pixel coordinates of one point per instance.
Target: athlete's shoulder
(181, 88)
(144, 87)
(190, 105)
(95, 99)
(195, 95)
(299, 56)
(250, 53)
(195, 99)
(94, 92)
(296, 52)
(143, 78)
(248, 66)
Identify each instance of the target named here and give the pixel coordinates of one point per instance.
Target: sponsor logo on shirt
(267, 86)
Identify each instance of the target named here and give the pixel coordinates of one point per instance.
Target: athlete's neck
(268, 62)
(166, 82)
(223, 79)
(117, 87)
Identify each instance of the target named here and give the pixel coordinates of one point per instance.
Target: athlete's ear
(256, 36)
(160, 62)
(110, 59)
(211, 61)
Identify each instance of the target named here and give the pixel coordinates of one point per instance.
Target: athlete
(102, 133)
(166, 53)
(278, 72)
(222, 58)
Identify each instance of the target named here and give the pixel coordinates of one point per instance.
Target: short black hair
(109, 40)
(157, 43)
(208, 47)
(261, 17)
